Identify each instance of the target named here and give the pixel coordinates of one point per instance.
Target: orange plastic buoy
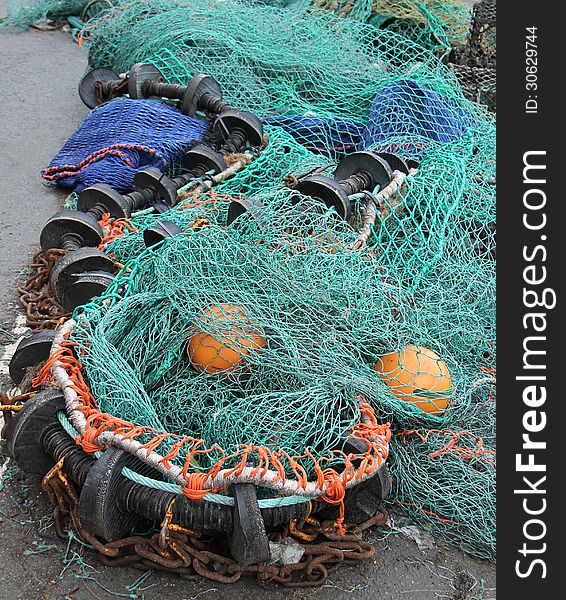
(233, 339)
(418, 375)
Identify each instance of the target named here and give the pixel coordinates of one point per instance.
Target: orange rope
(452, 445)
(117, 228)
(374, 434)
(69, 170)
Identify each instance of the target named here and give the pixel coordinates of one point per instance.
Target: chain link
(42, 310)
(192, 555)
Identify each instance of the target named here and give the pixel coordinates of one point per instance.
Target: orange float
(418, 375)
(233, 340)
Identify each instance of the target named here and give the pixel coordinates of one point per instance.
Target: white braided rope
(382, 204)
(269, 479)
(238, 163)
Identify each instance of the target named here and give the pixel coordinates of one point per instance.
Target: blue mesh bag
(405, 118)
(119, 139)
(330, 136)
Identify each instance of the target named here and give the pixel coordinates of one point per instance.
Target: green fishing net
(324, 314)
(306, 63)
(328, 313)
(324, 85)
(23, 13)
(434, 243)
(434, 24)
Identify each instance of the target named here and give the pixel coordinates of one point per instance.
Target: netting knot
(194, 489)
(335, 494)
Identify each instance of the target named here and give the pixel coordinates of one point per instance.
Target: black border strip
(520, 248)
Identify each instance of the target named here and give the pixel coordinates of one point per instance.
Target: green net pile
(336, 86)
(434, 249)
(324, 85)
(327, 313)
(23, 13)
(318, 64)
(281, 286)
(434, 24)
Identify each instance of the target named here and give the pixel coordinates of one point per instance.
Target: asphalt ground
(39, 110)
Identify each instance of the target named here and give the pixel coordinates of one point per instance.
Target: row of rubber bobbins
(84, 272)
(117, 491)
(357, 172)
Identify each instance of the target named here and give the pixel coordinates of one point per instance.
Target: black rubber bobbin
(195, 164)
(84, 270)
(86, 287)
(26, 431)
(233, 128)
(242, 205)
(248, 541)
(202, 94)
(67, 276)
(148, 188)
(97, 84)
(356, 172)
(103, 84)
(30, 352)
(160, 231)
(363, 500)
(397, 163)
(102, 500)
(151, 186)
(111, 504)
(60, 445)
(76, 232)
(71, 230)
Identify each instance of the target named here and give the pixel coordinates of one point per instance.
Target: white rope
(242, 160)
(383, 202)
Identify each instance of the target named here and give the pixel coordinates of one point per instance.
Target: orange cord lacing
(211, 197)
(375, 435)
(116, 229)
(452, 445)
(69, 170)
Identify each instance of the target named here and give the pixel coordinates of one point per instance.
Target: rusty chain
(191, 555)
(10, 405)
(42, 310)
